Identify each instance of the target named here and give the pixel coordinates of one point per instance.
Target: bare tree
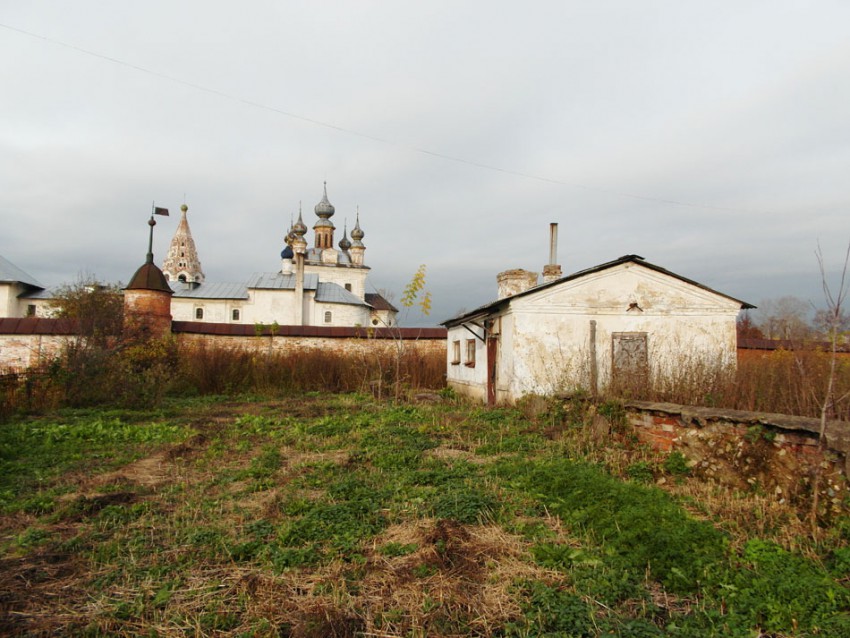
(833, 317)
(784, 318)
(97, 307)
(825, 323)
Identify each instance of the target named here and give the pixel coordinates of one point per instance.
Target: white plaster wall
(544, 338)
(9, 299)
(342, 274)
(270, 306)
(341, 315)
(685, 325)
(466, 380)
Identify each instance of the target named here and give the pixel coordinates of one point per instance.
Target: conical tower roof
(182, 262)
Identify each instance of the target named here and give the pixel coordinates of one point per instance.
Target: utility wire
(374, 138)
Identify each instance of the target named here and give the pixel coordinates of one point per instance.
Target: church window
(470, 353)
(31, 310)
(348, 287)
(328, 316)
(182, 278)
(455, 352)
(199, 313)
(374, 322)
(235, 314)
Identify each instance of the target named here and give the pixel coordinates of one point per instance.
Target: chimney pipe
(552, 271)
(553, 244)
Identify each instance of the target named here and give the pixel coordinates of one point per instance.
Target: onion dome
(357, 233)
(324, 208)
(299, 227)
(344, 244)
(287, 253)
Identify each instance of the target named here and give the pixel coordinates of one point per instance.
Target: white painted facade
(333, 291)
(549, 338)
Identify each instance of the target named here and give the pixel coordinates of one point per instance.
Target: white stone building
(625, 322)
(21, 295)
(319, 286)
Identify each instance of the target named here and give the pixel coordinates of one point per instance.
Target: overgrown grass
(338, 515)
(782, 381)
(143, 374)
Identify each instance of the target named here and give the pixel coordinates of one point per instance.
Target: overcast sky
(712, 138)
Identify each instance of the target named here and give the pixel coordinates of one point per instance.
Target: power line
(374, 138)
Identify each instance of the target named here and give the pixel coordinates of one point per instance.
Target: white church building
(313, 286)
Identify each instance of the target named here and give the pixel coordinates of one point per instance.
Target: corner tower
(182, 262)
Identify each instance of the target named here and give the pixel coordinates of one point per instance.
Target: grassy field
(336, 515)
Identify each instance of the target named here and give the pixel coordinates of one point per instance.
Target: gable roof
(379, 302)
(10, 273)
(329, 292)
(493, 306)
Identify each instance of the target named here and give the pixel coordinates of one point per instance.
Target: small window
(328, 316)
(470, 353)
(235, 314)
(455, 352)
(31, 310)
(348, 287)
(182, 278)
(199, 313)
(375, 322)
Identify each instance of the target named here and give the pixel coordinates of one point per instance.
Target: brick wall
(25, 342)
(775, 453)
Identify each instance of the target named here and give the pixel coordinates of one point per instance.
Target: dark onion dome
(287, 253)
(344, 244)
(324, 208)
(357, 233)
(299, 228)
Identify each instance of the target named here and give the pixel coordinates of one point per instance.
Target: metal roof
(219, 290)
(334, 293)
(43, 293)
(9, 272)
(279, 281)
(488, 308)
(379, 302)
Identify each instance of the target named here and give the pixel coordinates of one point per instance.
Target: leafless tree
(833, 316)
(784, 318)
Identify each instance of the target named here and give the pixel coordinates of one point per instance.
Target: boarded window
(328, 316)
(199, 313)
(470, 353)
(455, 352)
(630, 362)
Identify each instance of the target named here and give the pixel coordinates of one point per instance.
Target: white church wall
(342, 275)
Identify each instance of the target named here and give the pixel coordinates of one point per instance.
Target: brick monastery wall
(25, 342)
(775, 453)
(285, 344)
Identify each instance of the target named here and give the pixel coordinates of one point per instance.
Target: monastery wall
(25, 342)
(28, 341)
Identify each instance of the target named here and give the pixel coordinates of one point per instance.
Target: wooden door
(630, 362)
(492, 353)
